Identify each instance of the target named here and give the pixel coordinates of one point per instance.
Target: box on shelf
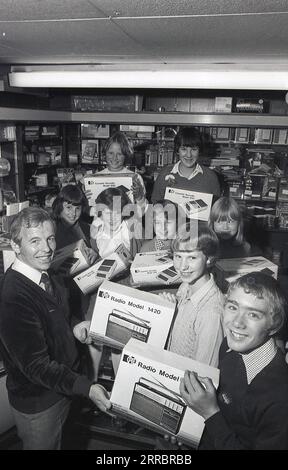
(196, 205)
(72, 258)
(90, 151)
(121, 312)
(107, 268)
(95, 131)
(114, 103)
(154, 268)
(223, 104)
(151, 379)
(228, 270)
(98, 183)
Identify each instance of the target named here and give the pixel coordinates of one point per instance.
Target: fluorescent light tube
(205, 79)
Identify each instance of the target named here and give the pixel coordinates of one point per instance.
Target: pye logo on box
(129, 359)
(104, 294)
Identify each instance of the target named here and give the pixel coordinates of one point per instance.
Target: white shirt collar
(27, 271)
(256, 360)
(195, 172)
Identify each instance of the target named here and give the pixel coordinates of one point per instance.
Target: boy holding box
(250, 408)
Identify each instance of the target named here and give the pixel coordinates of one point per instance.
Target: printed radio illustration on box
(151, 378)
(158, 404)
(228, 270)
(90, 279)
(121, 313)
(122, 326)
(154, 268)
(71, 259)
(98, 183)
(196, 205)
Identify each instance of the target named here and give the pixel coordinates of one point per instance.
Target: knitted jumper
(203, 183)
(251, 416)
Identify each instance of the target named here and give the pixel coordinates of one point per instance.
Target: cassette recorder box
(72, 258)
(121, 313)
(151, 380)
(107, 268)
(195, 205)
(98, 183)
(154, 268)
(228, 270)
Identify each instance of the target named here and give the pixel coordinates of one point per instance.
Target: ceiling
(140, 34)
(143, 31)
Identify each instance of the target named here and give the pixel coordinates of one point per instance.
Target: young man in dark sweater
(250, 408)
(36, 338)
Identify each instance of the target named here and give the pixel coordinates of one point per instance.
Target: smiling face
(188, 156)
(164, 225)
(191, 266)
(247, 321)
(37, 246)
(70, 212)
(115, 158)
(226, 228)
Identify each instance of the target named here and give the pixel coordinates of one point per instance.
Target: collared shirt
(256, 360)
(195, 172)
(33, 274)
(197, 331)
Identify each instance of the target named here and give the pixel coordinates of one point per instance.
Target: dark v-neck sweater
(37, 345)
(251, 417)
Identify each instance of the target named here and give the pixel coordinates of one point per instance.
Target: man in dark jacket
(36, 338)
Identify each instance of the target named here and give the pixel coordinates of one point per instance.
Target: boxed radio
(90, 279)
(98, 183)
(154, 268)
(72, 259)
(151, 380)
(195, 205)
(228, 270)
(121, 313)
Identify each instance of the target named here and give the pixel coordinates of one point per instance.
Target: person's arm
(270, 432)
(24, 338)
(269, 423)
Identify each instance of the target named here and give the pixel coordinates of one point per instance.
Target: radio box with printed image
(98, 183)
(90, 279)
(151, 379)
(195, 205)
(154, 268)
(228, 270)
(121, 313)
(71, 259)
